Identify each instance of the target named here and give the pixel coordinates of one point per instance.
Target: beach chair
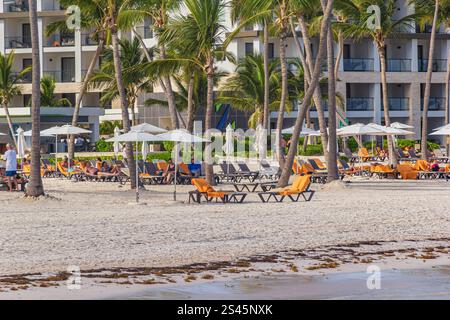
(316, 166)
(230, 174)
(439, 156)
(203, 189)
(407, 172)
(364, 155)
(381, 154)
(49, 168)
(268, 171)
(63, 172)
(401, 155)
(344, 168)
(422, 166)
(243, 168)
(149, 173)
(300, 187)
(351, 157)
(382, 171)
(412, 154)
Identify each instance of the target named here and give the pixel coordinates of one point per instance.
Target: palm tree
(158, 11)
(112, 12)
(247, 13)
(359, 24)
(245, 88)
(200, 30)
(35, 187)
(48, 98)
(9, 86)
(286, 172)
(134, 78)
(435, 12)
(92, 21)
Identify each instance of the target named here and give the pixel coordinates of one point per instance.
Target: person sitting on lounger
(109, 169)
(65, 162)
(195, 168)
(169, 173)
(434, 166)
(90, 169)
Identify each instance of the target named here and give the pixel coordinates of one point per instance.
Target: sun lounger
(351, 157)
(382, 171)
(401, 155)
(300, 187)
(63, 172)
(422, 166)
(407, 172)
(439, 156)
(268, 171)
(203, 189)
(364, 155)
(243, 167)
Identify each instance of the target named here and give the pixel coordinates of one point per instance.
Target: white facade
(66, 57)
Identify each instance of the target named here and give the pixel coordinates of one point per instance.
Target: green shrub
(103, 146)
(168, 145)
(312, 150)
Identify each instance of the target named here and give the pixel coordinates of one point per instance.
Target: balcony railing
(398, 65)
(86, 40)
(398, 104)
(359, 104)
(435, 104)
(51, 5)
(15, 6)
(358, 65)
(17, 42)
(26, 78)
(61, 40)
(439, 65)
(145, 32)
(61, 75)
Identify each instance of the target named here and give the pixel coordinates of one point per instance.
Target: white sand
(93, 226)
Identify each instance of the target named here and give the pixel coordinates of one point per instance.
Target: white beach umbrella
(260, 144)
(441, 132)
(305, 131)
(358, 129)
(399, 125)
(149, 128)
(116, 144)
(64, 130)
(447, 126)
(228, 147)
(43, 133)
(21, 145)
(179, 136)
(133, 136)
(144, 150)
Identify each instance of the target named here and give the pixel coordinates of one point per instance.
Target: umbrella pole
(56, 153)
(137, 175)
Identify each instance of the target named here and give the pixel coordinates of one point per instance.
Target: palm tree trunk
(35, 187)
(266, 78)
(169, 93)
(447, 99)
(208, 120)
(283, 99)
(141, 41)
(10, 124)
(426, 96)
(190, 104)
(339, 54)
(83, 89)
(384, 90)
(287, 169)
(124, 106)
(317, 92)
(332, 136)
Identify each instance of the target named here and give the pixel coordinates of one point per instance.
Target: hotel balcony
(439, 65)
(360, 104)
(61, 40)
(87, 40)
(26, 78)
(398, 65)
(398, 104)
(435, 104)
(17, 42)
(358, 65)
(61, 75)
(15, 6)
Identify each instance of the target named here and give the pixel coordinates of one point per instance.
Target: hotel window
(249, 48)
(271, 51)
(27, 100)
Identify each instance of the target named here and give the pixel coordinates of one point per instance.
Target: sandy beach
(94, 226)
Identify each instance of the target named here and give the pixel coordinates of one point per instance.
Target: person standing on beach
(11, 166)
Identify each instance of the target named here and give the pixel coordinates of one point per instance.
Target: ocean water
(430, 283)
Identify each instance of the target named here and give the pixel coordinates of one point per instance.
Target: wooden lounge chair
(300, 187)
(203, 189)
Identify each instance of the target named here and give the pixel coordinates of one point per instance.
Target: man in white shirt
(11, 166)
